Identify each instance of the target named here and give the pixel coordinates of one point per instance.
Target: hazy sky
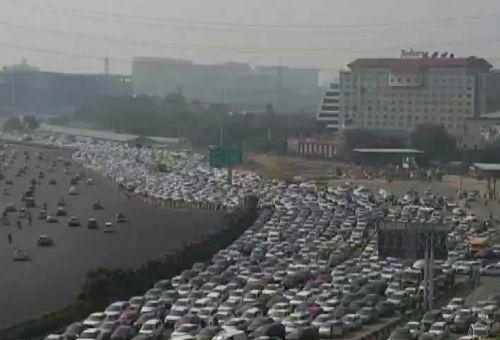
(75, 35)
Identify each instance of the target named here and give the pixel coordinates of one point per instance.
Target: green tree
(435, 141)
(13, 124)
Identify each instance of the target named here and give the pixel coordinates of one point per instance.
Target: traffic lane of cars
(371, 328)
(309, 228)
(249, 311)
(51, 279)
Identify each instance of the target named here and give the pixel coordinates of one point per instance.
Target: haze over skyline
(76, 35)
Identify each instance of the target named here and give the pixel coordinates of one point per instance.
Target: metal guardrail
(35, 144)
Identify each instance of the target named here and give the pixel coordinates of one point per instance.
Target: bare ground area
(288, 167)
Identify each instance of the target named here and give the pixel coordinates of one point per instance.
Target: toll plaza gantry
(490, 171)
(415, 241)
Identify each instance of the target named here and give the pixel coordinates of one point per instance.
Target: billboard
(224, 157)
(407, 240)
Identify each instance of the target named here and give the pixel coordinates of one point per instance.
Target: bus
(478, 243)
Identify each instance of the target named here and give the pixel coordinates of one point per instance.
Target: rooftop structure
(328, 115)
(390, 151)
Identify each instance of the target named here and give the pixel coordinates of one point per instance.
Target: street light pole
(462, 166)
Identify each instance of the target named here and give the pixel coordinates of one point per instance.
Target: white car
(461, 267)
(108, 228)
(186, 329)
(414, 328)
(456, 303)
(471, 218)
(352, 321)
(94, 320)
(151, 306)
(20, 255)
(89, 334)
(151, 327)
(448, 314)
(480, 330)
(175, 315)
(118, 306)
(492, 269)
(440, 329)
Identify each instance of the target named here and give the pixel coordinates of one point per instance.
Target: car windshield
(108, 325)
(463, 313)
(176, 312)
(95, 318)
(438, 328)
(149, 327)
(413, 326)
(90, 333)
(447, 311)
(187, 328)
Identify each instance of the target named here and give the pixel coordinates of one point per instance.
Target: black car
(123, 333)
(73, 331)
(120, 218)
(92, 224)
(61, 211)
(430, 317)
(385, 309)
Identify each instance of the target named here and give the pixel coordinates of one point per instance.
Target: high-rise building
(329, 110)
(400, 93)
(26, 89)
(239, 85)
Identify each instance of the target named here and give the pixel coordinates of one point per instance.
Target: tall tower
(106, 76)
(279, 87)
(106, 66)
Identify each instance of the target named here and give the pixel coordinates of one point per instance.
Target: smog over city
(233, 170)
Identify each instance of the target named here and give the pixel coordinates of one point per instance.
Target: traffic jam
(307, 269)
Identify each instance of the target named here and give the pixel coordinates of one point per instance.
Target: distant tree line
(16, 124)
(173, 116)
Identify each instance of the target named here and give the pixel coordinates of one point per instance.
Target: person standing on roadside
(9, 238)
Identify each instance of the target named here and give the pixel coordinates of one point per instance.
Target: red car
(130, 315)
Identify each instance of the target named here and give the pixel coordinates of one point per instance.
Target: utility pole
(431, 274)
(426, 276)
(106, 66)
(106, 75)
(280, 87)
(462, 166)
(221, 122)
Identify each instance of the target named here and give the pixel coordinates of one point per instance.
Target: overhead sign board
(408, 240)
(225, 157)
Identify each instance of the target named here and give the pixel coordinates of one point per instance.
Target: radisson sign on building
(411, 53)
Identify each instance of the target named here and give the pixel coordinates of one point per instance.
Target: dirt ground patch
(288, 167)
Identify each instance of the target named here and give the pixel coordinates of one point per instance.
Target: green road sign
(224, 158)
